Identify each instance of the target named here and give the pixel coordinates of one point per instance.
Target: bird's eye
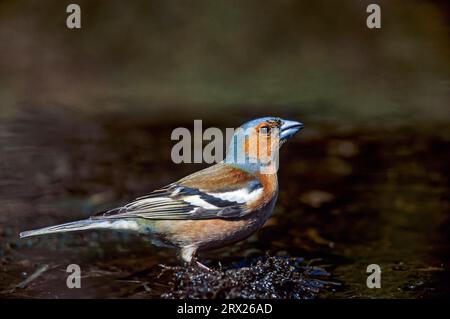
(264, 129)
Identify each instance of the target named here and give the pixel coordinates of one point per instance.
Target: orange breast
(212, 233)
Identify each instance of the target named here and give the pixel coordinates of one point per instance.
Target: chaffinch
(211, 208)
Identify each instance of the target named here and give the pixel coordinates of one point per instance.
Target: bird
(211, 208)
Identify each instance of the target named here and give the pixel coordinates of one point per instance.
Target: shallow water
(348, 198)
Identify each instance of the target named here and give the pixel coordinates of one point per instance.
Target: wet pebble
(268, 277)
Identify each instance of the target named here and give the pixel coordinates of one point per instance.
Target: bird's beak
(289, 129)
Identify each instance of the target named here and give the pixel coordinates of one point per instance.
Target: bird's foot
(200, 265)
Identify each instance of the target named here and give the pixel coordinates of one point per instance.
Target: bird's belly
(210, 233)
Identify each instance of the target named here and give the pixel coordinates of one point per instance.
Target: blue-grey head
(259, 140)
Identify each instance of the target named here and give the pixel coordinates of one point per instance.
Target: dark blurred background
(86, 116)
(202, 58)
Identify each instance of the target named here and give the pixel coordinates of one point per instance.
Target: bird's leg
(188, 255)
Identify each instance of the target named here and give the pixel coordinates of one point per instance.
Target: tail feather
(81, 225)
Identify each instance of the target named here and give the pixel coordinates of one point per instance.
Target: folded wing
(220, 191)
